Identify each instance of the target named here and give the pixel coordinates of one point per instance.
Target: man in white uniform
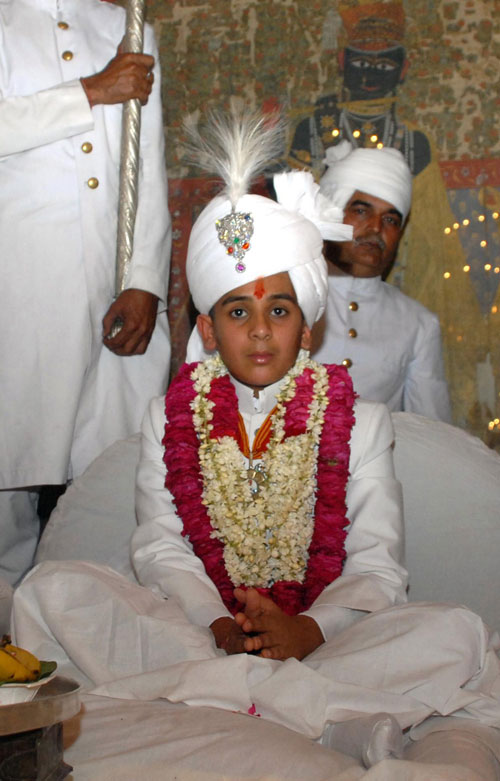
(390, 343)
(64, 396)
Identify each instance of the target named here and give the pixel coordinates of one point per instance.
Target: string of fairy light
(493, 425)
(483, 244)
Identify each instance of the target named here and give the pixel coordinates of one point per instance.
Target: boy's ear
(205, 326)
(306, 338)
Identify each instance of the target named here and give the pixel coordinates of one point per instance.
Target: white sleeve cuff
(206, 614)
(332, 619)
(30, 121)
(145, 278)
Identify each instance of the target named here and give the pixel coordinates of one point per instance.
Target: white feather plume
(236, 147)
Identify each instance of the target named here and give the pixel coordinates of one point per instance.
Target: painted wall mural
(422, 76)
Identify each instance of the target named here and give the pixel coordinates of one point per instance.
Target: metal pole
(129, 159)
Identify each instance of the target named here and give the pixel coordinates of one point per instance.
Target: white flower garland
(266, 535)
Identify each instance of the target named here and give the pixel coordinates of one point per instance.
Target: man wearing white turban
(390, 343)
(270, 520)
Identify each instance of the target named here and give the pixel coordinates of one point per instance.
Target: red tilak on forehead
(260, 290)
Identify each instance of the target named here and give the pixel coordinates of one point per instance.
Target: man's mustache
(371, 239)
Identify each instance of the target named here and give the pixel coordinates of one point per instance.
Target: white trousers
(120, 640)
(19, 529)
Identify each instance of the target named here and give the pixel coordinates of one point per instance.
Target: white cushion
(451, 490)
(95, 518)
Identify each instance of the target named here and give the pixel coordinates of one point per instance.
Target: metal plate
(58, 700)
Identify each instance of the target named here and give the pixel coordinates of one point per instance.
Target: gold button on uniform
(353, 306)
(352, 333)
(67, 56)
(63, 25)
(87, 147)
(347, 363)
(93, 183)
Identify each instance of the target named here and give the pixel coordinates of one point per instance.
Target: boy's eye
(279, 311)
(238, 313)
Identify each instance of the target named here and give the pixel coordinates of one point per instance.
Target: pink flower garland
(185, 481)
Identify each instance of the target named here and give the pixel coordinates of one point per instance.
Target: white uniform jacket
(373, 577)
(392, 344)
(59, 174)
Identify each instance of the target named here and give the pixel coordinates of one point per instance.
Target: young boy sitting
(264, 516)
(259, 444)
(270, 520)
(278, 520)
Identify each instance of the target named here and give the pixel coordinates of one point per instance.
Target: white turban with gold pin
(240, 237)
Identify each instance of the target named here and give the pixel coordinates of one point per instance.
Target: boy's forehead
(260, 288)
(272, 285)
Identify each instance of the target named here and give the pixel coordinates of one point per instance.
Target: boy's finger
(241, 595)
(252, 644)
(240, 618)
(276, 652)
(248, 626)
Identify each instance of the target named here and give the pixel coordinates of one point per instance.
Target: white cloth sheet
(121, 640)
(127, 738)
(161, 741)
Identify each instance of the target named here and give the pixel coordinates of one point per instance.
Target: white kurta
(392, 341)
(63, 396)
(373, 576)
(411, 660)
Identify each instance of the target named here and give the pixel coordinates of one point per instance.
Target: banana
(12, 670)
(17, 664)
(26, 658)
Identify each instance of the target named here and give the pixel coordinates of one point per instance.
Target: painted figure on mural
(373, 62)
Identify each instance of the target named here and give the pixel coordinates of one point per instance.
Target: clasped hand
(136, 310)
(264, 629)
(125, 77)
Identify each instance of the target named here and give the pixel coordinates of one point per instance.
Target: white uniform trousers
(19, 530)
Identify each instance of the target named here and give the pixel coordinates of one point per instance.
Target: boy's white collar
(250, 404)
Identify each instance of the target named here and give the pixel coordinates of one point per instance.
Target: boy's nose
(260, 327)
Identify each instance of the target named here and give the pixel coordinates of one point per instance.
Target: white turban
(283, 239)
(382, 173)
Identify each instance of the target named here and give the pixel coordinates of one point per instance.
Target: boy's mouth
(261, 358)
